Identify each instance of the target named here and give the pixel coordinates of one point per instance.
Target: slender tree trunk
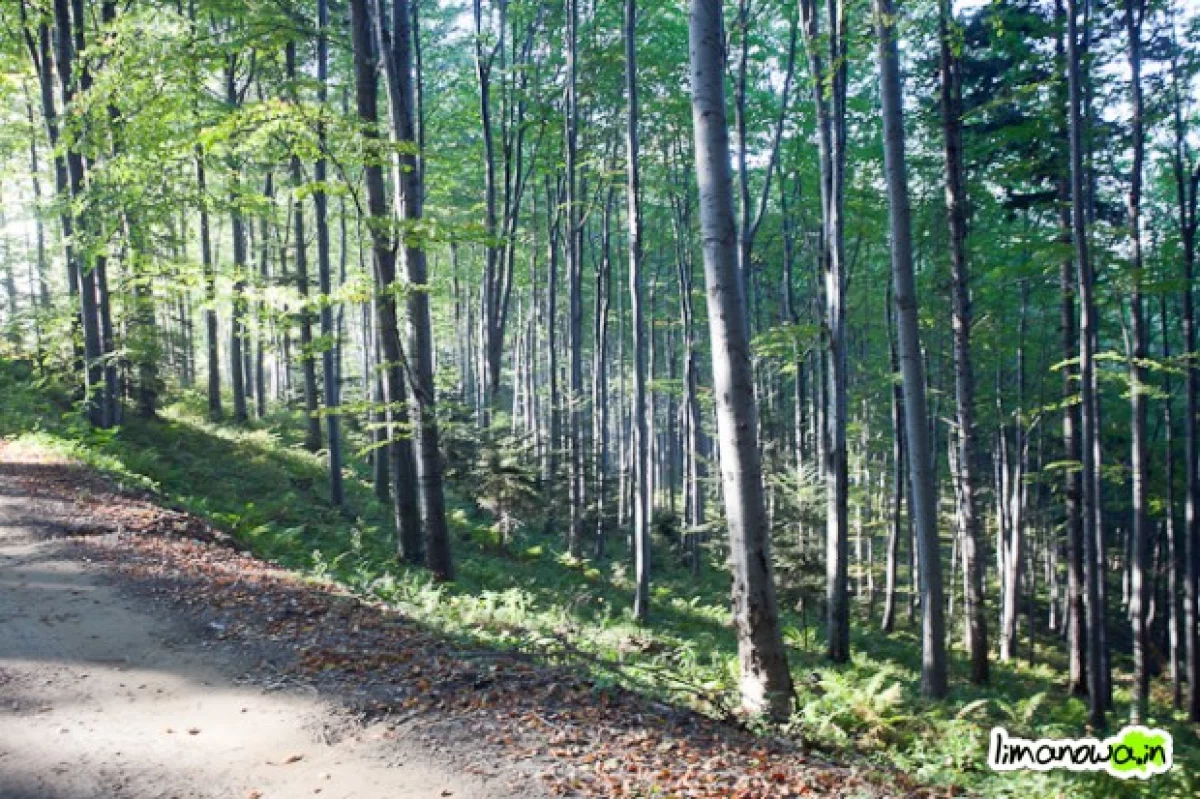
(574, 231)
(966, 481)
(898, 478)
(1176, 574)
(766, 684)
(237, 338)
(554, 434)
(312, 411)
(264, 277)
(924, 507)
(330, 339)
(40, 291)
(1073, 489)
(94, 384)
(603, 299)
(1140, 532)
(1091, 533)
(694, 516)
(828, 71)
(641, 409)
(401, 466)
(1187, 188)
(398, 55)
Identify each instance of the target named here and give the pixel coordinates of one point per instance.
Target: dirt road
(102, 698)
(144, 656)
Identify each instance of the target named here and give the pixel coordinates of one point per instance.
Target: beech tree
(766, 683)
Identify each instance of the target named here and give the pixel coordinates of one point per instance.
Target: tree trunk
(966, 482)
(1134, 13)
(211, 327)
(401, 467)
(96, 396)
(398, 55)
(312, 411)
(329, 336)
(641, 410)
(1176, 572)
(924, 506)
(898, 479)
(828, 71)
(1091, 533)
(237, 338)
(574, 235)
(766, 684)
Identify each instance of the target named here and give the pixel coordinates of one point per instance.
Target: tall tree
(324, 278)
(1186, 172)
(574, 242)
(234, 95)
(1135, 12)
(401, 466)
(766, 683)
(397, 49)
(99, 411)
(828, 70)
(312, 423)
(912, 370)
(1073, 490)
(966, 480)
(641, 409)
(1083, 267)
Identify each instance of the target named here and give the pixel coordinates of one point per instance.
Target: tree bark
(409, 181)
(324, 279)
(574, 231)
(401, 467)
(924, 506)
(312, 410)
(766, 684)
(966, 483)
(641, 410)
(828, 70)
(1187, 188)
(96, 395)
(1083, 266)
(1140, 532)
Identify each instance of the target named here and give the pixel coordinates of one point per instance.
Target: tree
(67, 44)
(1079, 237)
(766, 683)
(966, 481)
(397, 49)
(924, 506)
(828, 71)
(324, 268)
(641, 408)
(312, 435)
(401, 467)
(1135, 11)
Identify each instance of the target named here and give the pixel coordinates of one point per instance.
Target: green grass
(257, 483)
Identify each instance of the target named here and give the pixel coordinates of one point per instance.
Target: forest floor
(143, 655)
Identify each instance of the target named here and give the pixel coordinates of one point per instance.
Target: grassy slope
(260, 485)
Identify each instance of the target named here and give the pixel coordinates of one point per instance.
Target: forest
(827, 367)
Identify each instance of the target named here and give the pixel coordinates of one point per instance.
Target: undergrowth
(260, 485)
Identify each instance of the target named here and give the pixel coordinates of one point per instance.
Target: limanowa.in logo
(1133, 752)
